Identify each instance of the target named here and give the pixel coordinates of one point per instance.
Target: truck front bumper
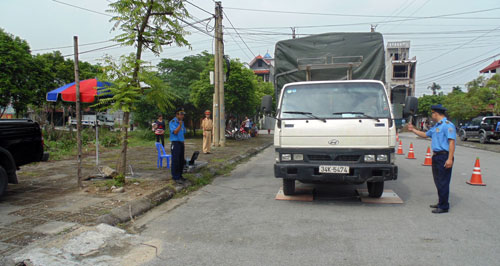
(358, 172)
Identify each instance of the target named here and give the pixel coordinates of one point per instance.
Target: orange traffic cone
(428, 158)
(476, 178)
(411, 154)
(397, 137)
(400, 148)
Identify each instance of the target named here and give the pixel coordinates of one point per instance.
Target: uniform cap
(438, 107)
(180, 110)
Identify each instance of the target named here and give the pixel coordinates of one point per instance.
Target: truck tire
(3, 181)
(288, 186)
(375, 189)
(482, 138)
(463, 135)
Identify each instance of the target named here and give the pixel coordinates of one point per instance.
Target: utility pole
(216, 129)
(78, 117)
(293, 32)
(219, 117)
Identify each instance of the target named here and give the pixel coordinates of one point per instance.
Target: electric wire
(70, 46)
(204, 10)
(239, 34)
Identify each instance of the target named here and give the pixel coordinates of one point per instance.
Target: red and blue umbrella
(89, 89)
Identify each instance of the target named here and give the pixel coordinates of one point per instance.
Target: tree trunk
(122, 164)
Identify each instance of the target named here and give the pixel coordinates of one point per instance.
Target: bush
(144, 134)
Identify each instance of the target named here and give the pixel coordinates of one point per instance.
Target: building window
(400, 72)
(259, 63)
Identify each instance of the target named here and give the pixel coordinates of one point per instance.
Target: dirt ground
(47, 200)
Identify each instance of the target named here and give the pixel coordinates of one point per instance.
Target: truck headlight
(286, 157)
(382, 158)
(393, 158)
(298, 157)
(370, 158)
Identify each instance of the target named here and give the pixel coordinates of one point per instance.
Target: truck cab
(335, 132)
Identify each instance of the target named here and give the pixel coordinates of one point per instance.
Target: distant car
(483, 128)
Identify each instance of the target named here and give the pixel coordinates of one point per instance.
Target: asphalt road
(237, 221)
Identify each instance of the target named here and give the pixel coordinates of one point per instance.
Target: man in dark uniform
(177, 131)
(443, 135)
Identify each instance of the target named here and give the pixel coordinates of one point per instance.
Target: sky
(450, 50)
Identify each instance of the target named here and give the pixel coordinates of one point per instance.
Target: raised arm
(416, 131)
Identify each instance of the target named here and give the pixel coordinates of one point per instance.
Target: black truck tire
(4, 179)
(375, 189)
(288, 186)
(463, 135)
(482, 138)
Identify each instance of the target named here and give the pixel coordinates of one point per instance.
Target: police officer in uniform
(177, 131)
(443, 135)
(207, 125)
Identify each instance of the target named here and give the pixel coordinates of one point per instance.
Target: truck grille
(340, 158)
(347, 158)
(319, 157)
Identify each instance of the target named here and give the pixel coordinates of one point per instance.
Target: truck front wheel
(375, 189)
(288, 186)
(3, 181)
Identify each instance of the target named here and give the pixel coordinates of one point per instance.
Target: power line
(195, 27)
(70, 46)
(414, 12)
(468, 60)
(240, 47)
(239, 34)
(397, 11)
(442, 75)
(204, 10)
(460, 46)
(443, 16)
(94, 50)
(83, 8)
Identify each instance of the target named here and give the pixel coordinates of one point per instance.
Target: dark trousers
(162, 138)
(442, 178)
(178, 159)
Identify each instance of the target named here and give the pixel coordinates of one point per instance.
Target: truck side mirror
(411, 106)
(267, 104)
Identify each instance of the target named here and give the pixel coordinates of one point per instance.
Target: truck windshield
(335, 100)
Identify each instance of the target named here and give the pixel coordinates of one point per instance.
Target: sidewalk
(47, 201)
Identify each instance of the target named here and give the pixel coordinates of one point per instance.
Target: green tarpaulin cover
(330, 49)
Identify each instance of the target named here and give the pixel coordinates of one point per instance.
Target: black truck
(484, 128)
(21, 142)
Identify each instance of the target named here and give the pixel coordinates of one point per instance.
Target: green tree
(123, 93)
(146, 24)
(461, 106)
(434, 88)
(15, 64)
(456, 89)
(494, 86)
(425, 102)
(240, 90)
(180, 75)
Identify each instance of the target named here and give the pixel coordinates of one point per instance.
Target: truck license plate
(333, 169)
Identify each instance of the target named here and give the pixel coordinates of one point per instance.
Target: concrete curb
(139, 206)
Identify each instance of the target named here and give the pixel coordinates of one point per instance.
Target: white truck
(334, 129)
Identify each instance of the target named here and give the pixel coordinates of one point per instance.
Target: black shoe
(438, 210)
(433, 206)
(179, 181)
(184, 180)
